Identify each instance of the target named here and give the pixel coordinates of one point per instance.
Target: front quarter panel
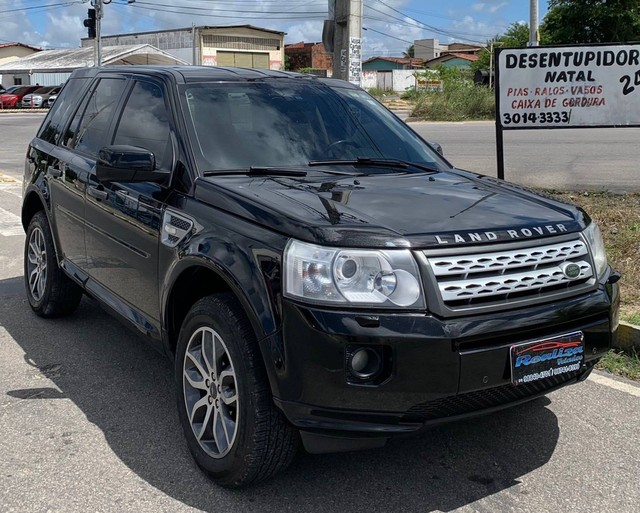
(245, 255)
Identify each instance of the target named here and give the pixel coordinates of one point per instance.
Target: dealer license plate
(542, 359)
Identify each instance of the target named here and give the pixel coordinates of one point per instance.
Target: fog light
(365, 363)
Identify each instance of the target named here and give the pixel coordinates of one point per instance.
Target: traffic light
(90, 23)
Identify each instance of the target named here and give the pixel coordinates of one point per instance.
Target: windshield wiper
(258, 171)
(366, 161)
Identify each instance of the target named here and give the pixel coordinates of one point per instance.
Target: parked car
(52, 98)
(12, 100)
(10, 89)
(315, 270)
(39, 97)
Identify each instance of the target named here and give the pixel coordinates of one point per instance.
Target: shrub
(460, 99)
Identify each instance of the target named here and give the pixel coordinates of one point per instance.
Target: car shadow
(125, 388)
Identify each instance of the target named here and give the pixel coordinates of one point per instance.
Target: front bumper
(441, 369)
(36, 104)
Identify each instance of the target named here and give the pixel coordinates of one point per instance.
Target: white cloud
(308, 31)
(490, 6)
(495, 8)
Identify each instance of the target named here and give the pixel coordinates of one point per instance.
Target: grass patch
(632, 318)
(458, 102)
(377, 92)
(618, 216)
(621, 364)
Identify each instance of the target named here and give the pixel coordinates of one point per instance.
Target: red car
(12, 100)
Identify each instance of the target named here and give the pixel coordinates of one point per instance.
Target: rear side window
(57, 117)
(88, 130)
(145, 123)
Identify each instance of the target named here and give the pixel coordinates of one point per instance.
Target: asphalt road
(575, 159)
(88, 423)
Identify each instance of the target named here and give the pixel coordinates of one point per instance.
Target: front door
(123, 220)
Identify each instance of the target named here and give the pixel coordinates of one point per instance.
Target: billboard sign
(568, 86)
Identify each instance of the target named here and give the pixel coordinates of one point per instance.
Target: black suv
(314, 268)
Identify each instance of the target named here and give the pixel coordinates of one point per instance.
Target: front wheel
(233, 430)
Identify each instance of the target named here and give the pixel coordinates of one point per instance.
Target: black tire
(57, 294)
(263, 441)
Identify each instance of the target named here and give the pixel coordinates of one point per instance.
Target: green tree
(591, 21)
(516, 36)
(410, 53)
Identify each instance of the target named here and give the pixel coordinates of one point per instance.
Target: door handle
(96, 193)
(54, 172)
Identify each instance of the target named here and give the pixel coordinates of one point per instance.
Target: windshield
(287, 123)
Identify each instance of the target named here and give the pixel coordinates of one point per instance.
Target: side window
(145, 123)
(59, 113)
(88, 130)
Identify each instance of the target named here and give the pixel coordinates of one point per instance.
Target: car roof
(186, 74)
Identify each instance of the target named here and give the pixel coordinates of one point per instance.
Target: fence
(398, 80)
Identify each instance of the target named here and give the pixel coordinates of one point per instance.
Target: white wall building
(239, 45)
(12, 52)
(53, 67)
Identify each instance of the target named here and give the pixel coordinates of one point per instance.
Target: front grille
(500, 276)
(488, 398)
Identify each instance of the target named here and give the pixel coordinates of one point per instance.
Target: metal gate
(385, 80)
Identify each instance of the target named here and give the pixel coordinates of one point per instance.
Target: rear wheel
(50, 292)
(233, 430)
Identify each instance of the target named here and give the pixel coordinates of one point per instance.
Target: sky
(391, 25)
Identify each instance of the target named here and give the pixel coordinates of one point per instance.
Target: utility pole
(193, 44)
(347, 50)
(97, 43)
(534, 37)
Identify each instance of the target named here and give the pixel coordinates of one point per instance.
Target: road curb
(23, 111)
(628, 338)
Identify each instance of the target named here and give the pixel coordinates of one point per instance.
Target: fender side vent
(175, 228)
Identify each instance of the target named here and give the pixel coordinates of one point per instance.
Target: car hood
(398, 209)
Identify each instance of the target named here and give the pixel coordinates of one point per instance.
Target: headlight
(594, 238)
(353, 276)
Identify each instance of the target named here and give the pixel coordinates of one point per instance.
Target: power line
(302, 16)
(430, 27)
(207, 9)
(46, 6)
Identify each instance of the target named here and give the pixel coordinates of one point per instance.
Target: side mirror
(436, 146)
(123, 163)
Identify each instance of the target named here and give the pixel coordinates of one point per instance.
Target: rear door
(123, 219)
(72, 160)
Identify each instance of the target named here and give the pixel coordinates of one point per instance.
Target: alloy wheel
(210, 392)
(37, 264)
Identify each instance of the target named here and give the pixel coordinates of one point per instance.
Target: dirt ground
(618, 216)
